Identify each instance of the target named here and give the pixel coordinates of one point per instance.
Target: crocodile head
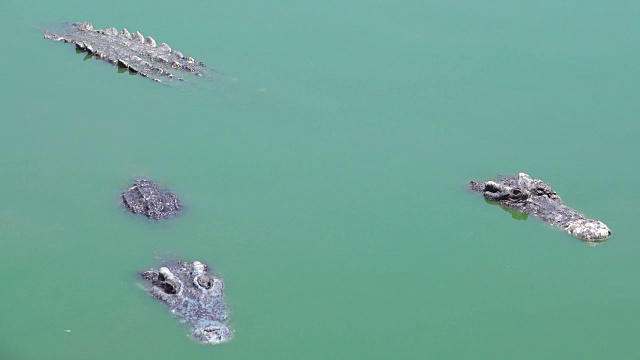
(535, 197)
(193, 295)
(514, 190)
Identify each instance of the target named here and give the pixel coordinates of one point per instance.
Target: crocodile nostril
(491, 187)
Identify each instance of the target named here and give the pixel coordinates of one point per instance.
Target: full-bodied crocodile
(146, 198)
(130, 50)
(194, 295)
(531, 196)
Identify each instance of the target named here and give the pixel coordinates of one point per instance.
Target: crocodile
(195, 296)
(146, 198)
(535, 197)
(130, 50)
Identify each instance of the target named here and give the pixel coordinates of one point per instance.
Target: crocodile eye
(517, 194)
(170, 287)
(205, 281)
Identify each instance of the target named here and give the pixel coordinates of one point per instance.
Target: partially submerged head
(535, 197)
(194, 295)
(515, 189)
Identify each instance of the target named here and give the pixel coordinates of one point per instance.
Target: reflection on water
(514, 214)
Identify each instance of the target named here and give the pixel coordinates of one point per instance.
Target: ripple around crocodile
(131, 51)
(531, 196)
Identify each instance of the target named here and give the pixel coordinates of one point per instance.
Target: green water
(323, 173)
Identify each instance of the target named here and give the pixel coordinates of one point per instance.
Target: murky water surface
(323, 172)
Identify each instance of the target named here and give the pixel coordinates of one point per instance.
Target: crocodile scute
(144, 197)
(132, 51)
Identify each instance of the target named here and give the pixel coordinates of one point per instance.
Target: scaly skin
(145, 198)
(130, 50)
(193, 295)
(526, 195)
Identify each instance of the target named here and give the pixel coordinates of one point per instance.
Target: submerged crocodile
(129, 50)
(193, 295)
(146, 198)
(529, 196)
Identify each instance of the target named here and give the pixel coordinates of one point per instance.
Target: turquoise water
(323, 173)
